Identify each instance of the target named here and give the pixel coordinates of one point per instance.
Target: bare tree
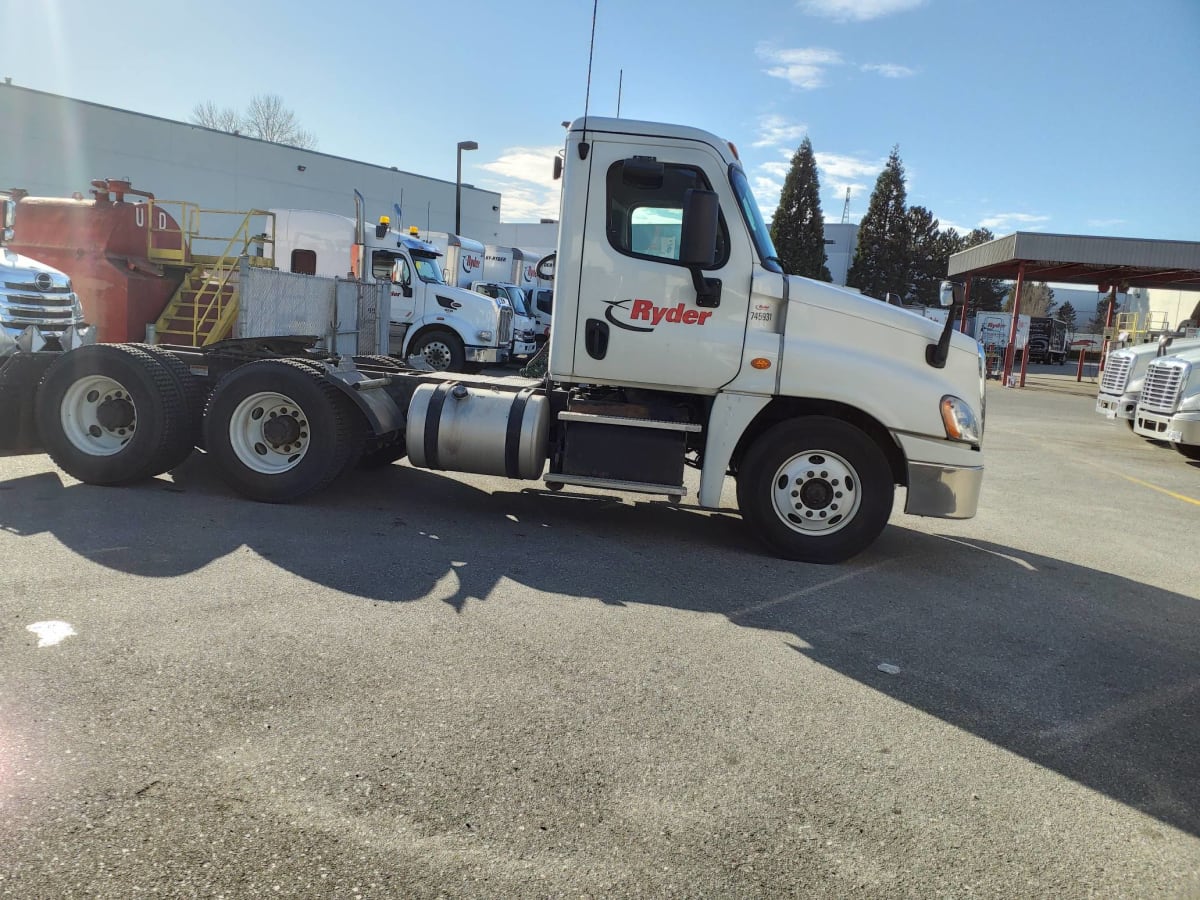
(1037, 299)
(210, 115)
(266, 118)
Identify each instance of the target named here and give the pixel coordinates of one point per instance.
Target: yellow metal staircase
(205, 305)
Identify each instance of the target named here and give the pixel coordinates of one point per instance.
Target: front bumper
(524, 348)
(487, 354)
(1113, 407)
(944, 477)
(32, 339)
(1181, 428)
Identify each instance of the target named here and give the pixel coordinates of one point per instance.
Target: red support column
(1108, 320)
(1011, 353)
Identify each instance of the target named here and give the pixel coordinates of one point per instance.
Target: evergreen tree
(798, 229)
(881, 259)
(928, 256)
(1066, 313)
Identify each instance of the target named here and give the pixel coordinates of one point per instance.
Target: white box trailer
(992, 329)
(462, 262)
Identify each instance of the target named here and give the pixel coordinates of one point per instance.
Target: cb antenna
(620, 85)
(591, 50)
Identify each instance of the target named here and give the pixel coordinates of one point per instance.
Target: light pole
(462, 145)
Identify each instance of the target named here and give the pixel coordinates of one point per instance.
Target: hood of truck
(15, 263)
(871, 355)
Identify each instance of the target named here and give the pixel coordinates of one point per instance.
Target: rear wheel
(278, 431)
(112, 414)
(195, 396)
(815, 489)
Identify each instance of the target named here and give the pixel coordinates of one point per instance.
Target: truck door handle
(595, 338)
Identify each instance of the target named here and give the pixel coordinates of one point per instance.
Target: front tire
(815, 489)
(112, 414)
(441, 350)
(279, 431)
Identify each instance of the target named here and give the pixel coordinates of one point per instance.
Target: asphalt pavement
(426, 685)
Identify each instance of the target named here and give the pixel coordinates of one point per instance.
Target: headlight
(486, 335)
(960, 421)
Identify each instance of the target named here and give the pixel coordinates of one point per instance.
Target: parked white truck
(449, 327)
(1124, 370)
(462, 261)
(40, 317)
(1168, 407)
(524, 327)
(817, 401)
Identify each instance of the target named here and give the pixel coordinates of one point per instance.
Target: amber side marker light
(760, 362)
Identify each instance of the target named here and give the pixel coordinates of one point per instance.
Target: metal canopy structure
(1081, 259)
(1111, 264)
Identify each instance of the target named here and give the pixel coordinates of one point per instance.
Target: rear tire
(815, 489)
(195, 396)
(112, 414)
(279, 431)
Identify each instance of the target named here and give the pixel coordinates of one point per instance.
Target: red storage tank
(106, 245)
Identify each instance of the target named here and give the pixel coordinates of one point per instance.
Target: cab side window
(645, 209)
(304, 262)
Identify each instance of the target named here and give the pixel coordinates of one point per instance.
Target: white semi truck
(1124, 370)
(40, 317)
(818, 402)
(1168, 406)
(525, 326)
(450, 328)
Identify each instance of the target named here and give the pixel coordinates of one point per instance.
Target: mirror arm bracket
(708, 290)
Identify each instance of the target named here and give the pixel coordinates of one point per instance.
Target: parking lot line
(1155, 487)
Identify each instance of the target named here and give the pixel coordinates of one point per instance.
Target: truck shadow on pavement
(1087, 673)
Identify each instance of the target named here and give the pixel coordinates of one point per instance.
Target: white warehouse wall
(54, 146)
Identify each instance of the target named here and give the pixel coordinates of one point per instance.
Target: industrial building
(55, 146)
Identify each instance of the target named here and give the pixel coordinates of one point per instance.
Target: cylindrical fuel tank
(104, 247)
(468, 428)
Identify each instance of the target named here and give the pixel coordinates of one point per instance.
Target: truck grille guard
(1163, 385)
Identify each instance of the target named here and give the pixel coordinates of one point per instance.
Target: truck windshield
(754, 220)
(427, 269)
(517, 296)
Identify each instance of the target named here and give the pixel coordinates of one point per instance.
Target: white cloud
(802, 67)
(774, 130)
(889, 70)
(856, 10)
(777, 170)
(1003, 223)
(528, 191)
(840, 166)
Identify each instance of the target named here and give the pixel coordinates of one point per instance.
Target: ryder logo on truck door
(644, 315)
(470, 263)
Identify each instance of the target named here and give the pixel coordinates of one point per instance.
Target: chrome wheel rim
(98, 415)
(816, 492)
(437, 354)
(269, 433)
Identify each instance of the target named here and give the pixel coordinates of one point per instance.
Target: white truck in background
(816, 401)
(40, 317)
(450, 328)
(525, 327)
(1168, 406)
(1124, 371)
(462, 258)
(540, 292)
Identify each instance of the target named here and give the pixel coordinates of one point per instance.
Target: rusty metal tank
(108, 246)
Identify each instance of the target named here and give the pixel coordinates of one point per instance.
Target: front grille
(57, 286)
(1116, 374)
(1164, 381)
(506, 318)
(47, 310)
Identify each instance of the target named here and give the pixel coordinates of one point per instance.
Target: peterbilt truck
(1168, 406)
(816, 401)
(40, 317)
(450, 328)
(1124, 370)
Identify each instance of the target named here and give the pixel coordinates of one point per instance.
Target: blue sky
(1067, 116)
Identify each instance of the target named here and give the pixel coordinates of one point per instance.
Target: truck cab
(525, 326)
(1168, 406)
(1124, 371)
(447, 327)
(40, 316)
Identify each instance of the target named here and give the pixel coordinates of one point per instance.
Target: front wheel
(815, 489)
(441, 350)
